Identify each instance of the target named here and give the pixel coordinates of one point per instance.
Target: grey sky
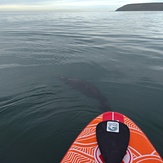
(61, 4)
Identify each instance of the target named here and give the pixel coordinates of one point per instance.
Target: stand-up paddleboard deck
(85, 148)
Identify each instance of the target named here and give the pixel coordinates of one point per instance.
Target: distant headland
(142, 7)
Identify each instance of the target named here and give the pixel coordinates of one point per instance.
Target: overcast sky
(66, 4)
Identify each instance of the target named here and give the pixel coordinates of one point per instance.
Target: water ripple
(121, 53)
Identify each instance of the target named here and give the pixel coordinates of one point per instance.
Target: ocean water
(119, 52)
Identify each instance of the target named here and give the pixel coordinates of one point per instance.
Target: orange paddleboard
(85, 148)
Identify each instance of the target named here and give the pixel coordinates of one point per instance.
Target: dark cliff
(142, 7)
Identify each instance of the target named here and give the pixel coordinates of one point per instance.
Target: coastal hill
(142, 7)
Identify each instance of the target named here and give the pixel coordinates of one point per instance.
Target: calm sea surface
(119, 52)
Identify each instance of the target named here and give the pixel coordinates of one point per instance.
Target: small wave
(14, 65)
(3, 66)
(159, 68)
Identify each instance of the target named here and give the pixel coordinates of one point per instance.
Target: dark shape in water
(87, 89)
